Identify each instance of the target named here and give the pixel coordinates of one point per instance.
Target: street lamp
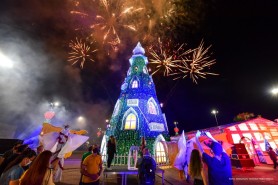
(80, 118)
(215, 112)
(54, 104)
(81, 121)
(274, 91)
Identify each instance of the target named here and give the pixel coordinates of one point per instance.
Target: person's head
(36, 172)
(90, 148)
(195, 165)
(39, 149)
(20, 149)
(32, 154)
(16, 145)
(95, 150)
(112, 139)
(66, 127)
(216, 148)
(146, 151)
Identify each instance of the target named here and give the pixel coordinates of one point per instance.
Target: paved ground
(263, 174)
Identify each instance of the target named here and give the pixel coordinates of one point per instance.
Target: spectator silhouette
(273, 157)
(146, 168)
(111, 150)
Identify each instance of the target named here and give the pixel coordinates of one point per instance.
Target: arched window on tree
(130, 122)
(152, 107)
(160, 153)
(135, 84)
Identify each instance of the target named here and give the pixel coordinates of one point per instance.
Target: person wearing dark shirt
(111, 150)
(146, 168)
(219, 166)
(273, 157)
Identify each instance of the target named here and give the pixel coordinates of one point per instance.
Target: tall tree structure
(137, 114)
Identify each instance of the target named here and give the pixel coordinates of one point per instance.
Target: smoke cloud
(37, 78)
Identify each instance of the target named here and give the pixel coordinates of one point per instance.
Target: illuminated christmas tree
(137, 112)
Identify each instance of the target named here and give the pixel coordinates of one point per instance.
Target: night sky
(244, 40)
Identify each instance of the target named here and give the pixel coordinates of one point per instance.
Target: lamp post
(215, 112)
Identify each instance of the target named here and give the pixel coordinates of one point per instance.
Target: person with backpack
(146, 168)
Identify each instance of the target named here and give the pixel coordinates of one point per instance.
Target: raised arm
(208, 134)
(198, 134)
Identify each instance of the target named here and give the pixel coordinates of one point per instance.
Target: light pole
(215, 112)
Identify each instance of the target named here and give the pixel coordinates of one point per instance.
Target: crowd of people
(24, 166)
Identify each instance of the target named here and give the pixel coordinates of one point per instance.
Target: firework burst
(166, 59)
(180, 62)
(196, 64)
(80, 51)
(109, 20)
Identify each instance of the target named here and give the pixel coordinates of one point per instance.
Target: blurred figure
(89, 152)
(15, 169)
(86, 154)
(10, 152)
(57, 160)
(39, 149)
(219, 166)
(111, 150)
(60, 144)
(31, 159)
(196, 169)
(143, 145)
(146, 168)
(273, 157)
(13, 150)
(39, 173)
(18, 150)
(91, 169)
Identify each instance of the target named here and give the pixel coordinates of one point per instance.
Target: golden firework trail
(109, 19)
(80, 52)
(197, 64)
(180, 62)
(165, 58)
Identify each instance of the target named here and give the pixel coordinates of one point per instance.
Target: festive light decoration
(176, 129)
(49, 115)
(137, 112)
(99, 132)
